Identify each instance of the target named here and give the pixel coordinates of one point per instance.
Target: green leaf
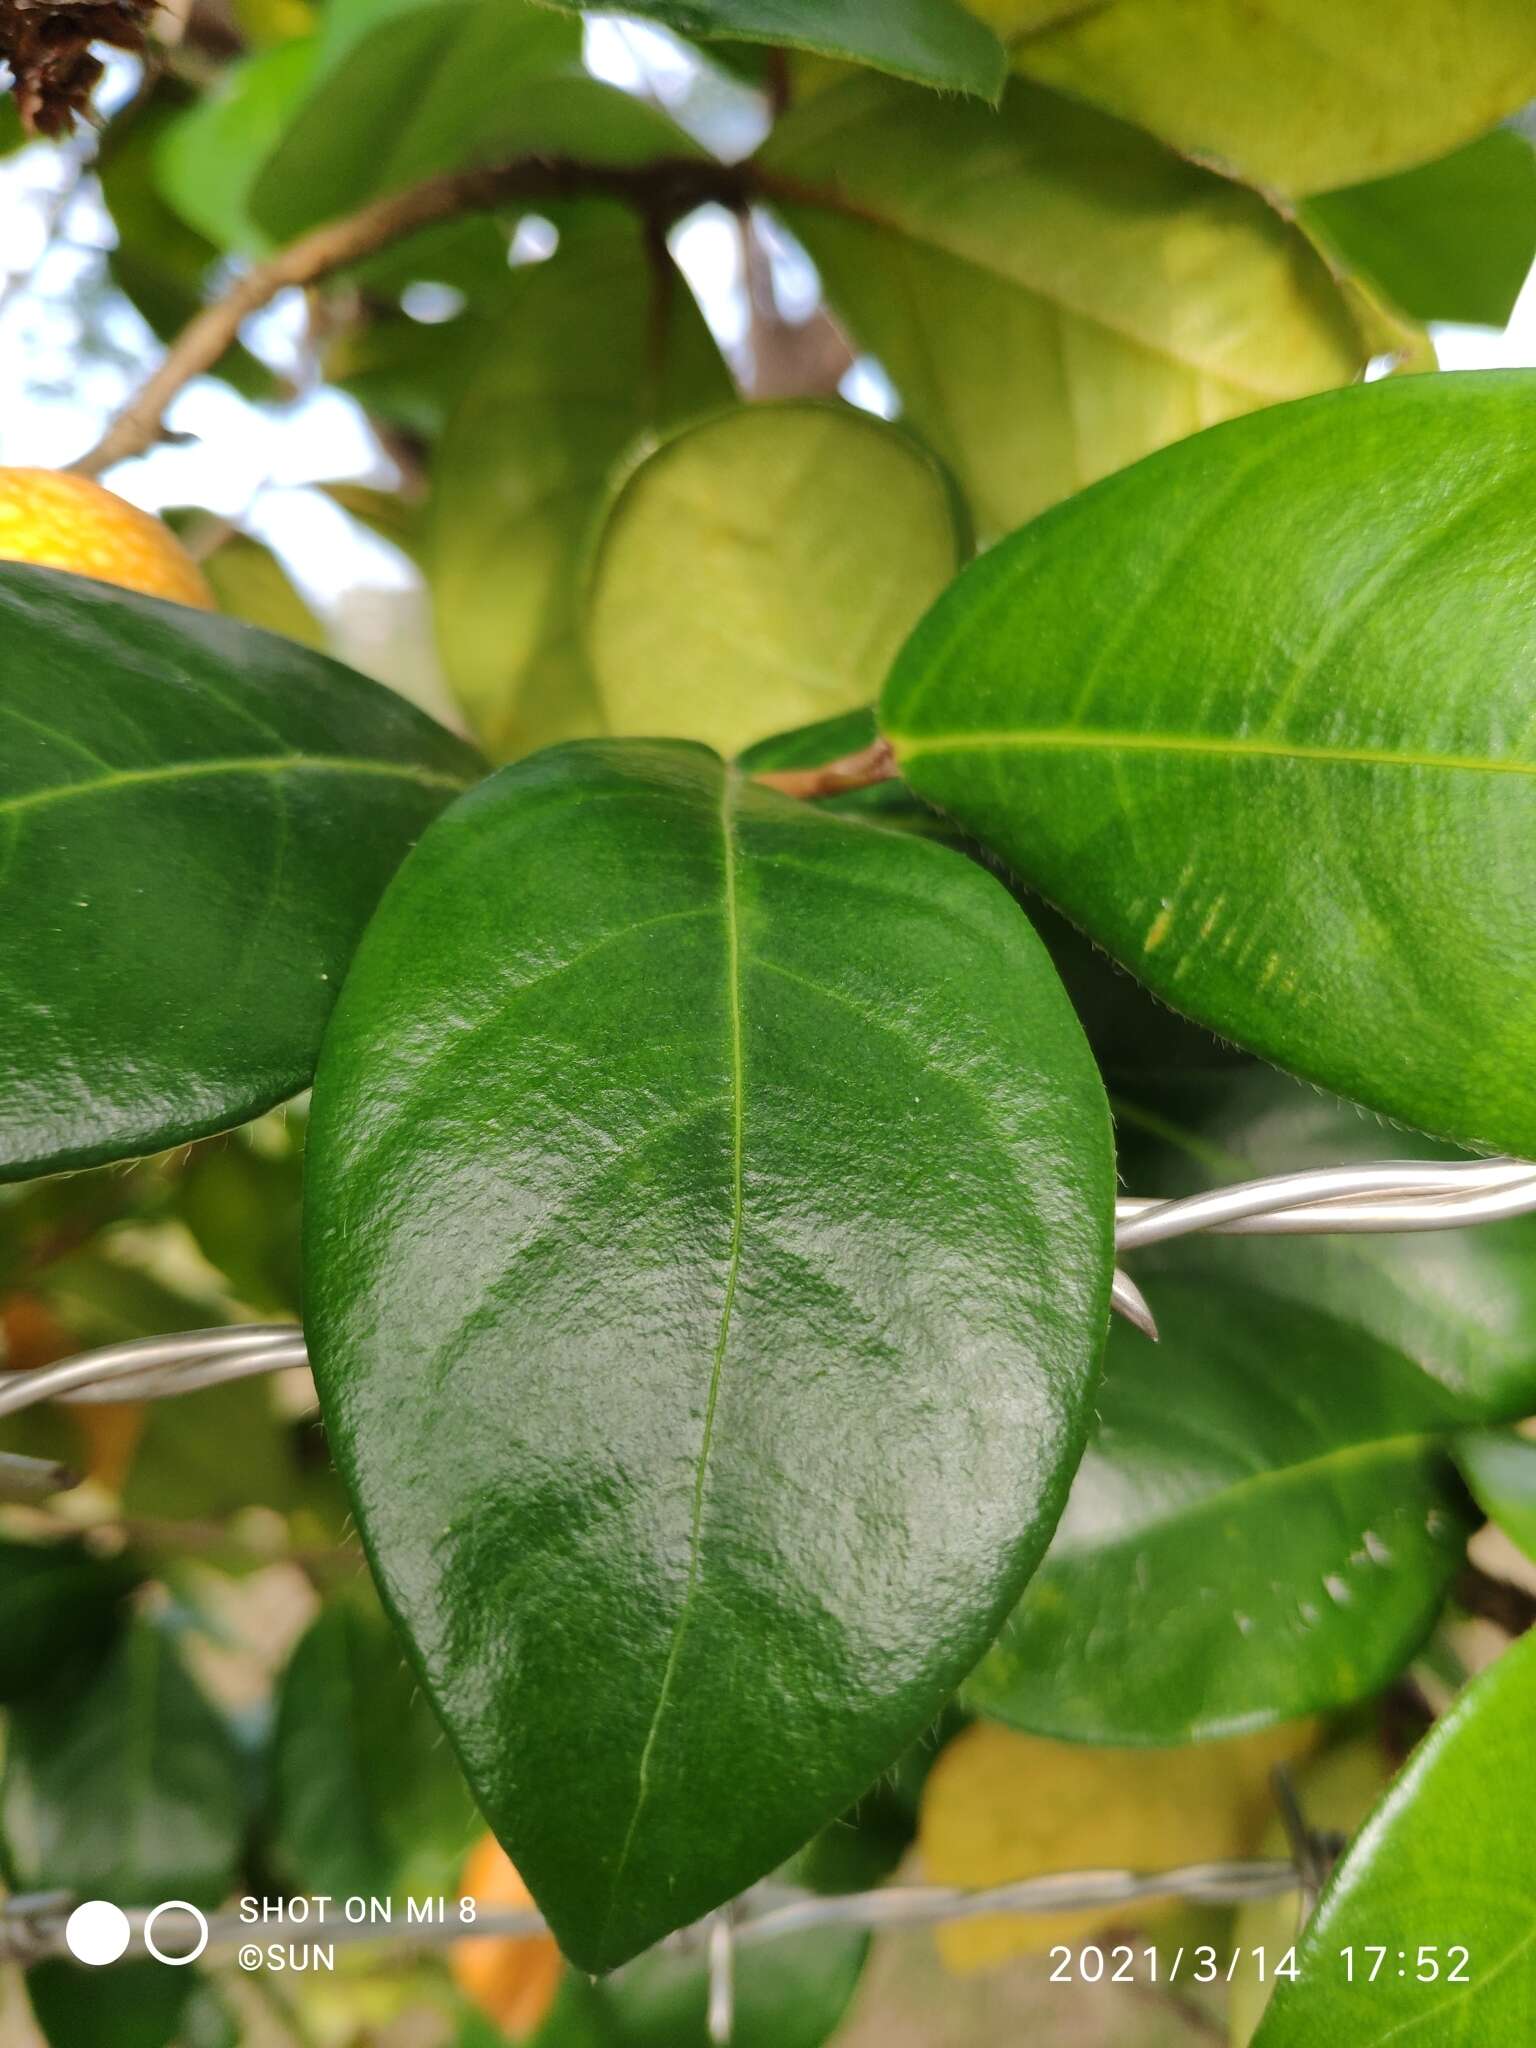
(197, 820)
(1500, 1468)
(1052, 293)
(445, 85)
(205, 1456)
(792, 1993)
(1264, 1525)
(1335, 1793)
(1277, 93)
(128, 1787)
(1444, 1859)
(1256, 716)
(930, 42)
(208, 159)
(367, 1800)
(1454, 240)
(718, 1182)
(568, 378)
(250, 583)
(241, 1200)
(1460, 1303)
(57, 1604)
(821, 535)
(132, 2005)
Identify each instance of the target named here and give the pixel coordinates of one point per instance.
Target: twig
(663, 190)
(1507, 1606)
(872, 764)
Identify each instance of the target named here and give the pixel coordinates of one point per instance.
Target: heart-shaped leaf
(1257, 715)
(1264, 1525)
(705, 1196)
(822, 536)
(196, 819)
(1425, 1933)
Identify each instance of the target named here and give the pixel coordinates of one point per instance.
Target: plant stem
(1507, 1606)
(663, 191)
(872, 764)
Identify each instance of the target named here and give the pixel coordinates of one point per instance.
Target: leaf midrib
(729, 785)
(909, 747)
(239, 764)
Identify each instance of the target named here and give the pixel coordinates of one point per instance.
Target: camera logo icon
(98, 1933)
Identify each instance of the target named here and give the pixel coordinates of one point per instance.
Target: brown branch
(1507, 1606)
(663, 190)
(872, 764)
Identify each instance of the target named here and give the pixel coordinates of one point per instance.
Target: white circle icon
(192, 1954)
(96, 1932)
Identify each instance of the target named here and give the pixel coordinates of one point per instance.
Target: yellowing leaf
(1298, 95)
(512, 1980)
(999, 1806)
(1053, 293)
(761, 570)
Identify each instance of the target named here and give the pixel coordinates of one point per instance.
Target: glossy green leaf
(367, 1800)
(1445, 1859)
(930, 42)
(718, 1182)
(1052, 293)
(445, 85)
(196, 820)
(1264, 1525)
(1301, 95)
(1500, 1468)
(1460, 1303)
(208, 160)
(57, 1605)
(1453, 240)
(1296, 804)
(821, 536)
(567, 380)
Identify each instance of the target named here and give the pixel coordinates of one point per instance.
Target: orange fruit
(68, 522)
(512, 1980)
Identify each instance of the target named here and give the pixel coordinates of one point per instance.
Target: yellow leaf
(999, 1806)
(1053, 293)
(1297, 95)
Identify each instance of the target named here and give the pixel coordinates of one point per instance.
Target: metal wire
(32, 1928)
(1392, 1196)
